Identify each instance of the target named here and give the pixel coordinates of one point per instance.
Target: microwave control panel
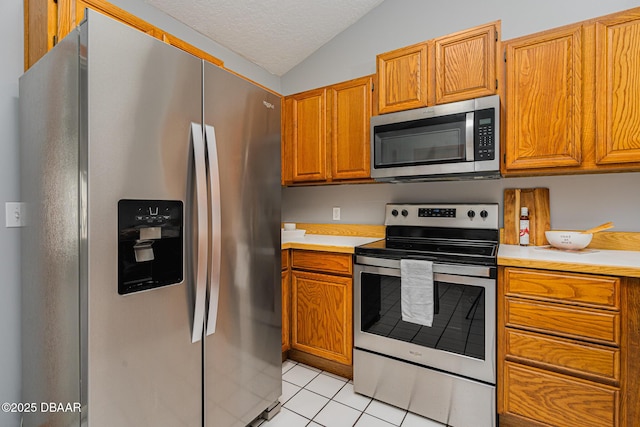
(485, 145)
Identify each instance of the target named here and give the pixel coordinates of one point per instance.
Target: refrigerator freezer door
(50, 240)
(243, 358)
(140, 97)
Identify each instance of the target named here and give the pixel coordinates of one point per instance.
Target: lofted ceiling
(274, 34)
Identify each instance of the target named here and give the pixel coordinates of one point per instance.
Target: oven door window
(458, 320)
(425, 141)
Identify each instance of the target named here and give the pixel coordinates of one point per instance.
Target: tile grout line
(317, 394)
(332, 399)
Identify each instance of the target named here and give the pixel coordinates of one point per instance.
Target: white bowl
(572, 240)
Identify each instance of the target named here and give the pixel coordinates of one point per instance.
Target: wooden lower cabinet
(558, 400)
(322, 314)
(322, 310)
(567, 349)
(286, 302)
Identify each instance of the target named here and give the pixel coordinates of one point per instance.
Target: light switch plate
(14, 212)
(336, 214)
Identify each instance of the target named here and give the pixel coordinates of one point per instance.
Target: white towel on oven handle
(416, 291)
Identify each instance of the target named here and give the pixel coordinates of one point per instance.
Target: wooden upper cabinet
(544, 100)
(305, 137)
(326, 133)
(617, 88)
(451, 68)
(71, 13)
(349, 112)
(47, 21)
(572, 98)
(40, 29)
(465, 64)
(402, 78)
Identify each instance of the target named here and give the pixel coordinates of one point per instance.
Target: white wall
(576, 201)
(11, 23)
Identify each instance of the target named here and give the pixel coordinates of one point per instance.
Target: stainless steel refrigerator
(151, 251)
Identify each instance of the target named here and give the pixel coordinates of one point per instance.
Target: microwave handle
(470, 148)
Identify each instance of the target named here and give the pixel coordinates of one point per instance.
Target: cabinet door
(322, 323)
(71, 13)
(40, 28)
(465, 64)
(286, 310)
(305, 148)
(348, 113)
(402, 78)
(544, 100)
(618, 89)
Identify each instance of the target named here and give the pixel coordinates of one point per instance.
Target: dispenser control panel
(150, 244)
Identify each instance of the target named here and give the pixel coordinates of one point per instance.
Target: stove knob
(484, 214)
(405, 213)
(394, 212)
(471, 214)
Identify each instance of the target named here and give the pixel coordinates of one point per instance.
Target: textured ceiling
(275, 34)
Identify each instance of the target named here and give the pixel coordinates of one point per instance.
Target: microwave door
(436, 145)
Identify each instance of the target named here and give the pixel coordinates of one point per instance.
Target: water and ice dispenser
(150, 244)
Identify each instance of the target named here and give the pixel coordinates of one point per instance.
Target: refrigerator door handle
(216, 228)
(202, 232)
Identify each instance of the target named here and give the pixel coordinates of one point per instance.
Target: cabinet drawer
(599, 325)
(322, 261)
(566, 287)
(285, 259)
(558, 400)
(580, 358)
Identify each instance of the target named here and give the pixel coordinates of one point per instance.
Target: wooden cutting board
(537, 200)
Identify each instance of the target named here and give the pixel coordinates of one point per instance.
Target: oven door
(462, 337)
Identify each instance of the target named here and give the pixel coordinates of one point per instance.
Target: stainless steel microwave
(460, 140)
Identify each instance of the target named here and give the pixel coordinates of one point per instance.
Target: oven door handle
(453, 269)
(437, 277)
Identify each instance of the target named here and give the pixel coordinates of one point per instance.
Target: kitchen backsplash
(577, 201)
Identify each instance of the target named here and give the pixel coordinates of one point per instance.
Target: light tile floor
(315, 398)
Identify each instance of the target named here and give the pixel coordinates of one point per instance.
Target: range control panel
(455, 215)
(436, 213)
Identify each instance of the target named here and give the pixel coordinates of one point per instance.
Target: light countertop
(327, 243)
(598, 261)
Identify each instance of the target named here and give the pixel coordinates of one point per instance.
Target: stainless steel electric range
(445, 369)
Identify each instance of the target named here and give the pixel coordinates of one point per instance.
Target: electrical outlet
(13, 214)
(336, 214)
